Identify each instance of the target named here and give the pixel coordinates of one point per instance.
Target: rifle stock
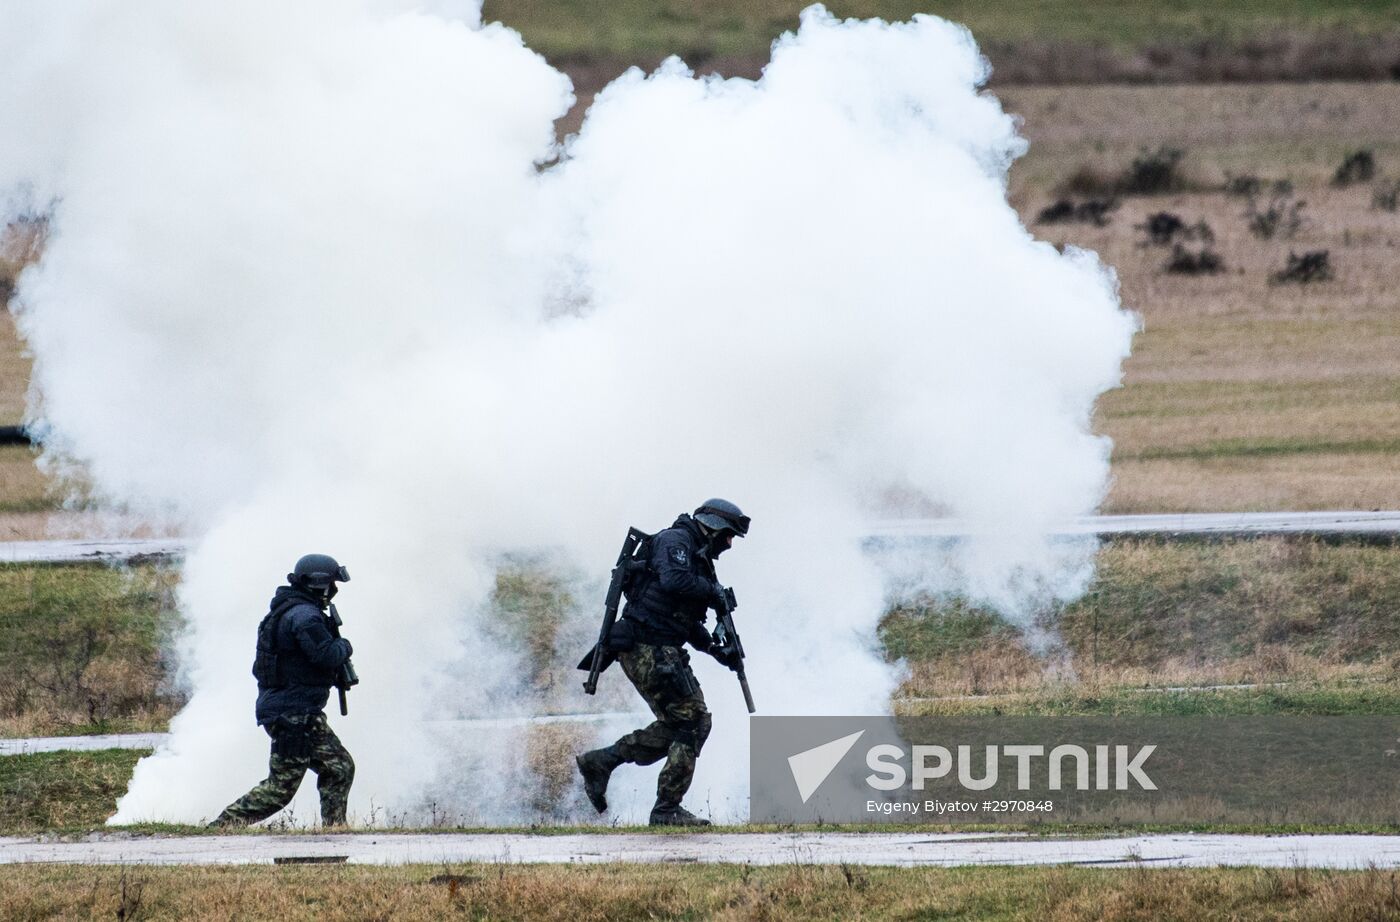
(610, 605)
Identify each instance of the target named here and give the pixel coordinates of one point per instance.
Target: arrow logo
(811, 768)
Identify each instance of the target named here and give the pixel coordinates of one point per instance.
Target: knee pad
(693, 733)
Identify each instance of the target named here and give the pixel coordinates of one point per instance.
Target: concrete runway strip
(1375, 524)
(902, 849)
(31, 744)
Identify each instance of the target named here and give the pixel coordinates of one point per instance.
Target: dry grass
(1236, 128)
(56, 523)
(1272, 681)
(1240, 394)
(550, 751)
(25, 493)
(1241, 484)
(15, 364)
(622, 892)
(20, 244)
(62, 722)
(1006, 669)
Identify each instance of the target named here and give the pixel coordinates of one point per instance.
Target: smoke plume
(319, 279)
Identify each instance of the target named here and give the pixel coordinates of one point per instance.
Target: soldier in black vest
(666, 609)
(300, 657)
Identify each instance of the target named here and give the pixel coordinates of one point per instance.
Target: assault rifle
(345, 676)
(727, 641)
(627, 563)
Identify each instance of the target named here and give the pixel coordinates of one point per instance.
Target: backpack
(265, 661)
(637, 573)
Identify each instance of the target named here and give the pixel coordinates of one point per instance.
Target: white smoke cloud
(308, 289)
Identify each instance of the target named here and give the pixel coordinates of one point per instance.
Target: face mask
(323, 596)
(720, 542)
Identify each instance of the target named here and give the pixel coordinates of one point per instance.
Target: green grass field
(62, 790)
(1305, 626)
(1166, 614)
(643, 29)
(83, 648)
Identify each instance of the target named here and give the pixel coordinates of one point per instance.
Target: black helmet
(722, 515)
(318, 571)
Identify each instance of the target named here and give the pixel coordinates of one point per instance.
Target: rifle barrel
(748, 695)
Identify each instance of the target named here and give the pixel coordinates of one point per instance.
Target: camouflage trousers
(662, 675)
(298, 743)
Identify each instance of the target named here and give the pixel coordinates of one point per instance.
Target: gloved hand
(699, 637)
(726, 658)
(717, 598)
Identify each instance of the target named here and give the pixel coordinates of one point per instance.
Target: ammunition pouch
(675, 674)
(291, 738)
(622, 637)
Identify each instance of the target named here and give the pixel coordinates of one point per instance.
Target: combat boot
(675, 815)
(596, 767)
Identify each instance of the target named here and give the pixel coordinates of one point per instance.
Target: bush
(1163, 228)
(1154, 172)
(1359, 166)
(1312, 266)
(1093, 211)
(1205, 261)
(1281, 217)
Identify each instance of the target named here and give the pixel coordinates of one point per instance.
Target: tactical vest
(656, 616)
(266, 666)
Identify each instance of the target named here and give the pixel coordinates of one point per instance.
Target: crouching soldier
(300, 657)
(666, 609)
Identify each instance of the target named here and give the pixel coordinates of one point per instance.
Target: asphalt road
(903, 849)
(27, 745)
(32, 744)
